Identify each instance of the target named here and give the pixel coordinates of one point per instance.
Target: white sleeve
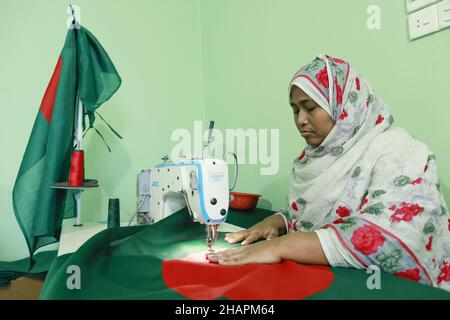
(285, 221)
(336, 254)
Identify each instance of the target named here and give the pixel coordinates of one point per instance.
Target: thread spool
(113, 213)
(76, 175)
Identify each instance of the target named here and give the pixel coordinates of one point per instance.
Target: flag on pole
(83, 71)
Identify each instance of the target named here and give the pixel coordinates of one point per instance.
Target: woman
(361, 193)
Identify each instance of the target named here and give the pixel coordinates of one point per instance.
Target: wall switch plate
(423, 22)
(413, 5)
(443, 9)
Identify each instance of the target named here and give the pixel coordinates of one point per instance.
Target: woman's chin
(312, 142)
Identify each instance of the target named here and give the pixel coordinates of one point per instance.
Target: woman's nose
(301, 118)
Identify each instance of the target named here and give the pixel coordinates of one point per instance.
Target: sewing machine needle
(210, 236)
(210, 249)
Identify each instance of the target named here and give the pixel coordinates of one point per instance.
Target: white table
(73, 237)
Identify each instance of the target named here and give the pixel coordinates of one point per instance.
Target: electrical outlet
(413, 5)
(423, 22)
(443, 9)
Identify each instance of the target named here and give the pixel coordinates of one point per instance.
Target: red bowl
(243, 201)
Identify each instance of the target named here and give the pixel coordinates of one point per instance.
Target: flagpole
(79, 129)
(78, 134)
(79, 146)
(73, 23)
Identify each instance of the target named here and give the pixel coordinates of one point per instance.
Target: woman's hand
(302, 247)
(271, 227)
(261, 252)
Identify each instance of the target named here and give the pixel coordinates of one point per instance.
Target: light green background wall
(225, 60)
(156, 47)
(251, 49)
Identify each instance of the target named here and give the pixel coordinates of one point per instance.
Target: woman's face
(311, 120)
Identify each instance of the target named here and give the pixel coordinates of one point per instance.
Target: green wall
(156, 47)
(225, 60)
(252, 48)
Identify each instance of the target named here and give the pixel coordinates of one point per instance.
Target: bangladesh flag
(166, 260)
(83, 71)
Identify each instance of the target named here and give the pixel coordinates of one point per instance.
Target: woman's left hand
(267, 251)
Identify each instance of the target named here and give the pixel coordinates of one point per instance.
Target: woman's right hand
(271, 227)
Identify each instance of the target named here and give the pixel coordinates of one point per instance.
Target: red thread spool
(76, 176)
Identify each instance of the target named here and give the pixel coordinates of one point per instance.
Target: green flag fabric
(83, 70)
(98, 79)
(43, 261)
(164, 261)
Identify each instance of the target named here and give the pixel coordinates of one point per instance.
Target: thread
(113, 213)
(76, 175)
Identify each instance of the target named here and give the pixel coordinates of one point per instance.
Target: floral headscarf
(348, 108)
(373, 185)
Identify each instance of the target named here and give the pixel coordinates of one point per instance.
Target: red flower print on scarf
(367, 103)
(363, 203)
(366, 240)
(322, 77)
(406, 212)
(358, 85)
(417, 181)
(426, 168)
(448, 224)
(295, 225)
(379, 119)
(410, 274)
(429, 244)
(343, 115)
(338, 92)
(294, 206)
(301, 156)
(341, 212)
(445, 272)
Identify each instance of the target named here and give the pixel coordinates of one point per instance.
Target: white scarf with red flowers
(373, 184)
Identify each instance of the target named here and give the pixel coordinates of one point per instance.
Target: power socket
(443, 9)
(413, 5)
(423, 22)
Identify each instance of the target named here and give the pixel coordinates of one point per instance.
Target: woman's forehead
(298, 94)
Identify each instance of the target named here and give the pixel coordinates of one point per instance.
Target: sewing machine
(199, 184)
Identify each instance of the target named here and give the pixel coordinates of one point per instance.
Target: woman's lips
(305, 133)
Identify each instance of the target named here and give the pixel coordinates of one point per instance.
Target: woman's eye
(311, 109)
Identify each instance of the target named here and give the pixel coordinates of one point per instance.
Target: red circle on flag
(287, 280)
